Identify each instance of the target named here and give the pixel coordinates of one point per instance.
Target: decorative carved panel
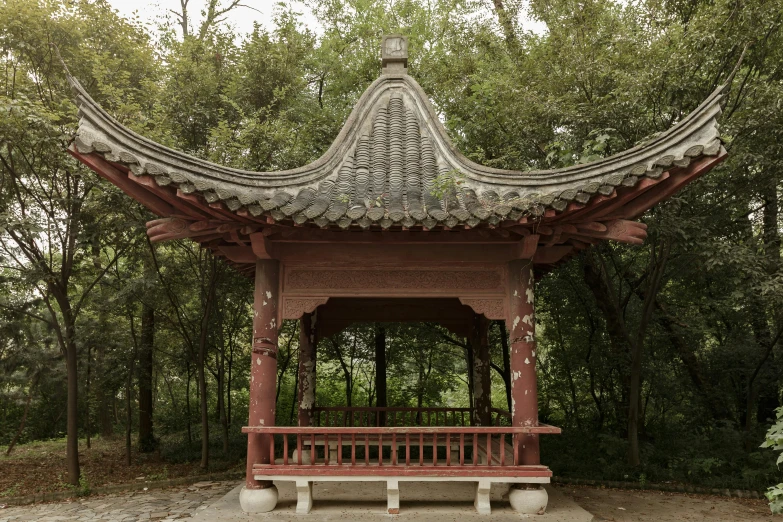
(390, 282)
(294, 308)
(491, 308)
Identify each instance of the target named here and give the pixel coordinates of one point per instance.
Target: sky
(152, 12)
(242, 18)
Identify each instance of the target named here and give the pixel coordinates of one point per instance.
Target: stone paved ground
(183, 502)
(174, 503)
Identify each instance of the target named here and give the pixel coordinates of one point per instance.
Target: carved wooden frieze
(491, 308)
(294, 308)
(390, 281)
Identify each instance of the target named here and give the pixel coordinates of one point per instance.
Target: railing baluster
(502, 449)
(312, 448)
(367, 449)
(339, 449)
(435, 449)
(353, 449)
(461, 449)
(407, 449)
(380, 449)
(489, 449)
(516, 449)
(421, 449)
(448, 449)
(394, 449)
(299, 448)
(285, 449)
(271, 449)
(475, 448)
(326, 448)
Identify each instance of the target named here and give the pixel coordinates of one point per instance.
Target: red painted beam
(114, 175)
(375, 470)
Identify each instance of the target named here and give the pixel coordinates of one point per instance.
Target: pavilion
(393, 223)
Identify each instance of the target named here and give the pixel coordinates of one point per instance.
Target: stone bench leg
(304, 496)
(482, 497)
(333, 449)
(393, 496)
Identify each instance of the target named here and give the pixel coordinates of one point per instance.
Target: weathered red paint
(482, 397)
(263, 376)
(524, 384)
(401, 430)
(307, 355)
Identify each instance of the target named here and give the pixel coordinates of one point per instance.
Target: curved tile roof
(393, 165)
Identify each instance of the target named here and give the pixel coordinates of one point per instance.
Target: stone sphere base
(528, 501)
(305, 457)
(258, 500)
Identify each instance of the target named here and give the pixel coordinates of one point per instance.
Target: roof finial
(394, 54)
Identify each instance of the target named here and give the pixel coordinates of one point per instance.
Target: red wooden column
(263, 376)
(306, 391)
(482, 385)
(521, 324)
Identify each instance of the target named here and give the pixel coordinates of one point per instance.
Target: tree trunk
(222, 402)
(380, 371)
(188, 413)
(89, 395)
(146, 355)
(19, 431)
(103, 398)
(202, 361)
(71, 364)
(607, 300)
(469, 362)
(506, 24)
(506, 360)
(482, 399)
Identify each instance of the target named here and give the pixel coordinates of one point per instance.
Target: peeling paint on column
(524, 397)
(308, 387)
(516, 322)
(264, 373)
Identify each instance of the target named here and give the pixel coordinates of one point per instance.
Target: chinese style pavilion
(393, 223)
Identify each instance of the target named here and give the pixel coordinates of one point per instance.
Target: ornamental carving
(390, 279)
(295, 308)
(491, 308)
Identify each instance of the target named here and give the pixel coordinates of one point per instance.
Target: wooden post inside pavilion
(360, 235)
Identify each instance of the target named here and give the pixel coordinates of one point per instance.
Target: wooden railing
(333, 416)
(442, 451)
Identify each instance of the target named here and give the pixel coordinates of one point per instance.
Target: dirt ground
(40, 467)
(656, 506)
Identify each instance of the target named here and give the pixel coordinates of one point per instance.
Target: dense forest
(103, 334)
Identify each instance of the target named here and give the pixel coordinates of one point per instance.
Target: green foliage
(603, 77)
(774, 440)
(447, 183)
